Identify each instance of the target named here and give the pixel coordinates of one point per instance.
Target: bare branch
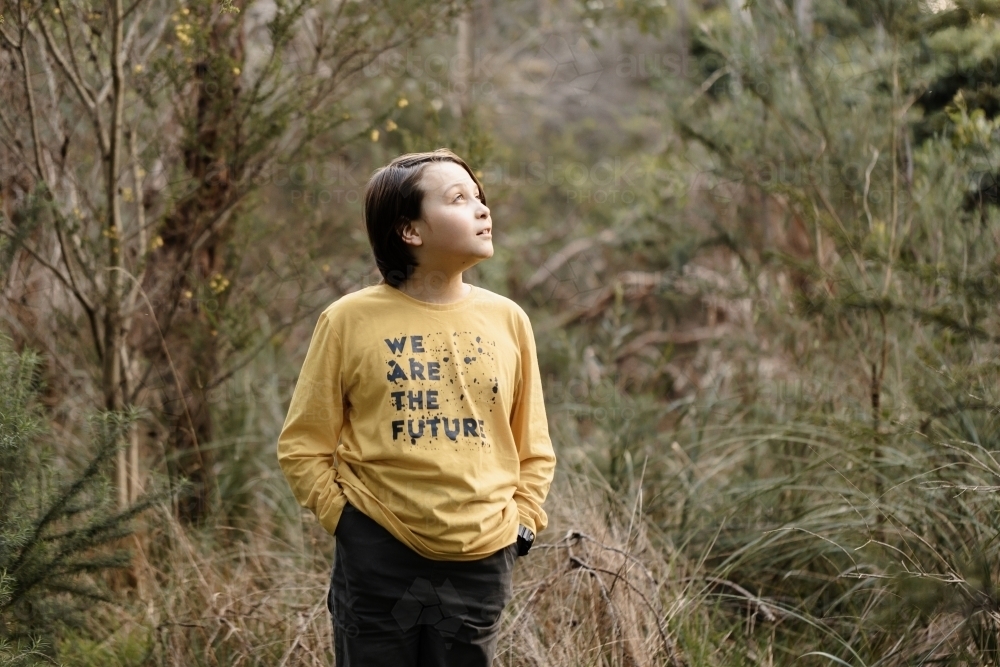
(154, 40)
(84, 301)
(133, 29)
(66, 260)
(16, 145)
(53, 113)
(111, 375)
(14, 45)
(71, 73)
(72, 51)
(32, 111)
(140, 224)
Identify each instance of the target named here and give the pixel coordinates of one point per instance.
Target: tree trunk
(193, 235)
(804, 18)
(112, 372)
(461, 74)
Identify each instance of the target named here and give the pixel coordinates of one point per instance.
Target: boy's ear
(409, 233)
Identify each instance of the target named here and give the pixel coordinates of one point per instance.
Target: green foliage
(856, 488)
(23, 653)
(58, 529)
(131, 650)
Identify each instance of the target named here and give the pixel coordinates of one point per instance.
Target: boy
(417, 431)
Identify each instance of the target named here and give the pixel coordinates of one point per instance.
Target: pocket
(484, 608)
(348, 507)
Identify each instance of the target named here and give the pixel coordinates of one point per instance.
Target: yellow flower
(374, 135)
(219, 283)
(390, 126)
(137, 69)
(157, 242)
(185, 11)
(188, 294)
(326, 267)
(402, 102)
(236, 71)
(183, 33)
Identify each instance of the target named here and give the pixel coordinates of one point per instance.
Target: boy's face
(454, 231)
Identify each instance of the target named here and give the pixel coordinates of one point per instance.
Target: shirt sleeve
(309, 437)
(531, 435)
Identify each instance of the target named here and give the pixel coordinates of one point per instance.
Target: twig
(177, 384)
(769, 613)
(668, 644)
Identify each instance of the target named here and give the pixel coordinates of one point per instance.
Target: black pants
(391, 607)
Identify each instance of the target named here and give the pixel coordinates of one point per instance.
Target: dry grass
(595, 590)
(598, 591)
(256, 601)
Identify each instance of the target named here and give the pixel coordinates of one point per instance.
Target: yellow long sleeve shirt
(429, 418)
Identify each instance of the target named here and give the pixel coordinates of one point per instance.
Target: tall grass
(600, 588)
(759, 526)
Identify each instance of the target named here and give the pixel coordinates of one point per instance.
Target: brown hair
(393, 197)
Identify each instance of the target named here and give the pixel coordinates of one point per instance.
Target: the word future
(428, 399)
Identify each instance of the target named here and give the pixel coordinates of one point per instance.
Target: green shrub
(58, 528)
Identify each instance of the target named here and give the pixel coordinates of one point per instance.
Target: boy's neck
(437, 290)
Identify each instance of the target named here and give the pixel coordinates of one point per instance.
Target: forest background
(758, 243)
